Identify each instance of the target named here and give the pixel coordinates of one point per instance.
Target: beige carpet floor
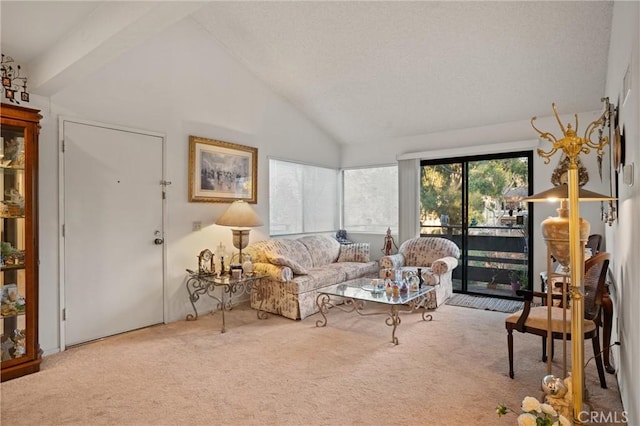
(450, 371)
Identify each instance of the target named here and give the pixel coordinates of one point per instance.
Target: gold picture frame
(222, 172)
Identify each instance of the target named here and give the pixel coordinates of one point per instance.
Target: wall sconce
(12, 81)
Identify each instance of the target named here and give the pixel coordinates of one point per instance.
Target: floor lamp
(555, 231)
(573, 145)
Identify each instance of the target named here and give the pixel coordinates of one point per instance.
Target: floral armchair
(437, 256)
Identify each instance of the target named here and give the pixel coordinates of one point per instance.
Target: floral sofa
(438, 256)
(297, 268)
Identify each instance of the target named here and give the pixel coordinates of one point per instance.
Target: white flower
(529, 404)
(548, 409)
(527, 419)
(535, 413)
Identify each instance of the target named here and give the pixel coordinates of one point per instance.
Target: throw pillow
(357, 252)
(279, 260)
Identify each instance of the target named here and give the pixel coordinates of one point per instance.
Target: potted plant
(519, 279)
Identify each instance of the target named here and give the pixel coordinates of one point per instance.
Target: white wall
(623, 239)
(179, 84)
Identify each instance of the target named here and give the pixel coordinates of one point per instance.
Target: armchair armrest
(530, 294)
(274, 272)
(444, 265)
(392, 261)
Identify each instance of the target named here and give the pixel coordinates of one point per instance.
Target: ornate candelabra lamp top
(571, 145)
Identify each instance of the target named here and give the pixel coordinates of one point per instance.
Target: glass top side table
(205, 283)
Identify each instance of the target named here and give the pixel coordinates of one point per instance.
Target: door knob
(158, 241)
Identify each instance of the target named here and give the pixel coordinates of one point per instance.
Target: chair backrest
(594, 243)
(595, 274)
(423, 251)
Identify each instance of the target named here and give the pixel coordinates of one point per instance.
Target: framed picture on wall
(222, 172)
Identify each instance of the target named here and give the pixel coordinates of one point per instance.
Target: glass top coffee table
(356, 293)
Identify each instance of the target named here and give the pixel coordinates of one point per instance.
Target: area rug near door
(486, 303)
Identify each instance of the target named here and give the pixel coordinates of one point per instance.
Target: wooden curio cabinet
(19, 346)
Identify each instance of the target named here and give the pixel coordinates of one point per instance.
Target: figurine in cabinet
(13, 153)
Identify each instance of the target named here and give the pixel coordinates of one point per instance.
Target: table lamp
(240, 217)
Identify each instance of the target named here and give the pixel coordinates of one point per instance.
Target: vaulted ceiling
(363, 71)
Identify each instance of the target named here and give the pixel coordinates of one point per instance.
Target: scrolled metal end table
(205, 283)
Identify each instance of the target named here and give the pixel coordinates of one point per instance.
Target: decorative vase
(247, 265)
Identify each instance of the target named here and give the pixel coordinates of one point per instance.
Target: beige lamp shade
(561, 192)
(240, 215)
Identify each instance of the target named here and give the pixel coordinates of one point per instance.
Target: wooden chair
(534, 320)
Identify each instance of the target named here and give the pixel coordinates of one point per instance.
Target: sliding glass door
(477, 203)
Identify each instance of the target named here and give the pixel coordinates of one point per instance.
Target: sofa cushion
(279, 260)
(322, 249)
(288, 249)
(352, 270)
(316, 278)
(357, 252)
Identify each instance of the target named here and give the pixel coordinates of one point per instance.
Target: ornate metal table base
(393, 316)
(199, 284)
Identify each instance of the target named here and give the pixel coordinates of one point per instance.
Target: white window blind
(370, 199)
(302, 198)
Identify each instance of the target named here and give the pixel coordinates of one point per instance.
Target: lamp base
(555, 231)
(240, 238)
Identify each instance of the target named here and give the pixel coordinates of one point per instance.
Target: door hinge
(62, 147)
(63, 230)
(64, 314)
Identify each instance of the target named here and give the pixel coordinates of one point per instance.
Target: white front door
(113, 230)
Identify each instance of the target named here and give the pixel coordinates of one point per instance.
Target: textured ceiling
(372, 71)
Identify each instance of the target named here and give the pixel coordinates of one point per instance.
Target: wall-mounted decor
(627, 174)
(222, 172)
(618, 149)
(609, 211)
(626, 84)
(12, 81)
